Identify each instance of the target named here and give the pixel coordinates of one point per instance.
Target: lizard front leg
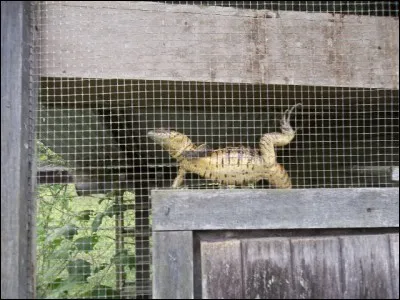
(179, 178)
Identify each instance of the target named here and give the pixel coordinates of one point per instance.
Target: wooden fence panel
(221, 270)
(366, 267)
(266, 268)
(316, 268)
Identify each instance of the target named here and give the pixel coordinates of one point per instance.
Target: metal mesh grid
(111, 72)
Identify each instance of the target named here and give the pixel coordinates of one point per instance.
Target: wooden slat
(53, 175)
(17, 153)
(267, 272)
(173, 42)
(221, 270)
(275, 209)
(316, 268)
(395, 173)
(365, 263)
(173, 265)
(394, 262)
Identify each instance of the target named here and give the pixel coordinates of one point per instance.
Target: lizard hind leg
(279, 178)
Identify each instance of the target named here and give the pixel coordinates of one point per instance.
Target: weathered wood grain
(316, 268)
(275, 209)
(173, 42)
(394, 262)
(18, 245)
(221, 270)
(173, 265)
(365, 263)
(395, 173)
(267, 271)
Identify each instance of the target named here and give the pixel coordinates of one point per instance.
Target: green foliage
(79, 270)
(76, 254)
(76, 244)
(124, 258)
(86, 243)
(103, 292)
(97, 222)
(46, 157)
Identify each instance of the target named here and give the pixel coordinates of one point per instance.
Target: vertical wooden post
(17, 153)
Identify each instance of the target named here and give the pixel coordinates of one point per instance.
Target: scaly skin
(232, 165)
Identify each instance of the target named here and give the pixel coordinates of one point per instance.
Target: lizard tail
(278, 177)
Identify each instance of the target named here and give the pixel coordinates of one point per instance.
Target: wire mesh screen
(135, 96)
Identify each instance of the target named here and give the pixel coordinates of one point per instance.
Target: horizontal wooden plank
(173, 265)
(275, 209)
(148, 40)
(53, 175)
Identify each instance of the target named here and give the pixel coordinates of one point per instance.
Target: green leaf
(84, 215)
(55, 283)
(68, 231)
(103, 292)
(86, 243)
(100, 267)
(63, 253)
(79, 270)
(97, 222)
(124, 258)
(115, 209)
(55, 243)
(62, 291)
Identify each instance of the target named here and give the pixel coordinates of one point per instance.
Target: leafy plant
(76, 241)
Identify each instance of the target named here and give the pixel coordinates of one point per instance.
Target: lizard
(231, 165)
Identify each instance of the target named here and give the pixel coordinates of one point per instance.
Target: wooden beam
(275, 209)
(147, 40)
(17, 153)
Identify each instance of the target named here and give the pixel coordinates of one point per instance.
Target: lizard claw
(285, 121)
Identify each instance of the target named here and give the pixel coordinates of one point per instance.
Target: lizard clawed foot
(285, 121)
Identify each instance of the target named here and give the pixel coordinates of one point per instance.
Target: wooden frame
(275, 209)
(267, 47)
(17, 153)
(179, 214)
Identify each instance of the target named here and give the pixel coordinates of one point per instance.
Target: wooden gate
(319, 243)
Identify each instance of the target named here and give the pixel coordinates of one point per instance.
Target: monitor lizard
(231, 165)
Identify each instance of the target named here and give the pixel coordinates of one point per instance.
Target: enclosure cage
(223, 73)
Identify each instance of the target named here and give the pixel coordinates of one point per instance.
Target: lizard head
(172, 141)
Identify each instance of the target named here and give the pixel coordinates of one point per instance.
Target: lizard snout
(151, 134)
